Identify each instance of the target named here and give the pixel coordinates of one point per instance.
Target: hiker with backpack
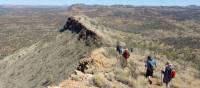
(126, 55)
(150, 65)
(131, 49)
(119, 49)
(169, 73)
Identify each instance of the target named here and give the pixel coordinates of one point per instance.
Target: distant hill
(30, 6)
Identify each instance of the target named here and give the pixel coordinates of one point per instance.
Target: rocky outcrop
(84, 33)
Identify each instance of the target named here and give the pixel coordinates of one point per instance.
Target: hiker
(119, 49)
(131, 49)
(126, 55)
(169, 73)
(150, 65)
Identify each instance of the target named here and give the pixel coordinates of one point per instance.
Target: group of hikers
(169, 72)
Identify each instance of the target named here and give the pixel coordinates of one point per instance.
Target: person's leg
(167, 85)
(150, 79)
(148, 75)
(126, 62)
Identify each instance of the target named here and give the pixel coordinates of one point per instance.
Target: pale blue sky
(103, 2)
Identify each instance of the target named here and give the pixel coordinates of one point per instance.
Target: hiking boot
(150, 82)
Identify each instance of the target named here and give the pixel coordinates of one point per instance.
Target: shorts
(149, 72)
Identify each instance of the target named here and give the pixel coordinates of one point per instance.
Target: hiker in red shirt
(126, 55)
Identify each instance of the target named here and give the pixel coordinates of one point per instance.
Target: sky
(103, 2)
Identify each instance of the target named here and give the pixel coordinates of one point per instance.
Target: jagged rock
(78, 72)
(75, 25)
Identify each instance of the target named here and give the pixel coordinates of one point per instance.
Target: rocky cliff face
(84, 33)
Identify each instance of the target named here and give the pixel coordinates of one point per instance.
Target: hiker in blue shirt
(150, 65)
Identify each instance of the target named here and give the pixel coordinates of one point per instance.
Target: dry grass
(100, 81)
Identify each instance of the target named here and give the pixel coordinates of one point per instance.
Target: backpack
(173, 74)
(126, 54)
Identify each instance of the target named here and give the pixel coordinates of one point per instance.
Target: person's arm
(146, 64)
(163, 71)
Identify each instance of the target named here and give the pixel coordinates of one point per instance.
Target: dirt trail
(156, 83)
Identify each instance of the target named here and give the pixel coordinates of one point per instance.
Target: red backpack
(126, 54)
(173, 74)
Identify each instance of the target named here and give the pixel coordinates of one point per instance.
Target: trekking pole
(161, 82)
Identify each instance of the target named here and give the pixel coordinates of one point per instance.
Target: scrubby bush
(110, 76)
(124, 76)
(100, 81)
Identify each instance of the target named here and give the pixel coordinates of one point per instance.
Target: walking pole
(161, 81)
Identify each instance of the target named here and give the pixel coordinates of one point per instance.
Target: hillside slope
(46, 62)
